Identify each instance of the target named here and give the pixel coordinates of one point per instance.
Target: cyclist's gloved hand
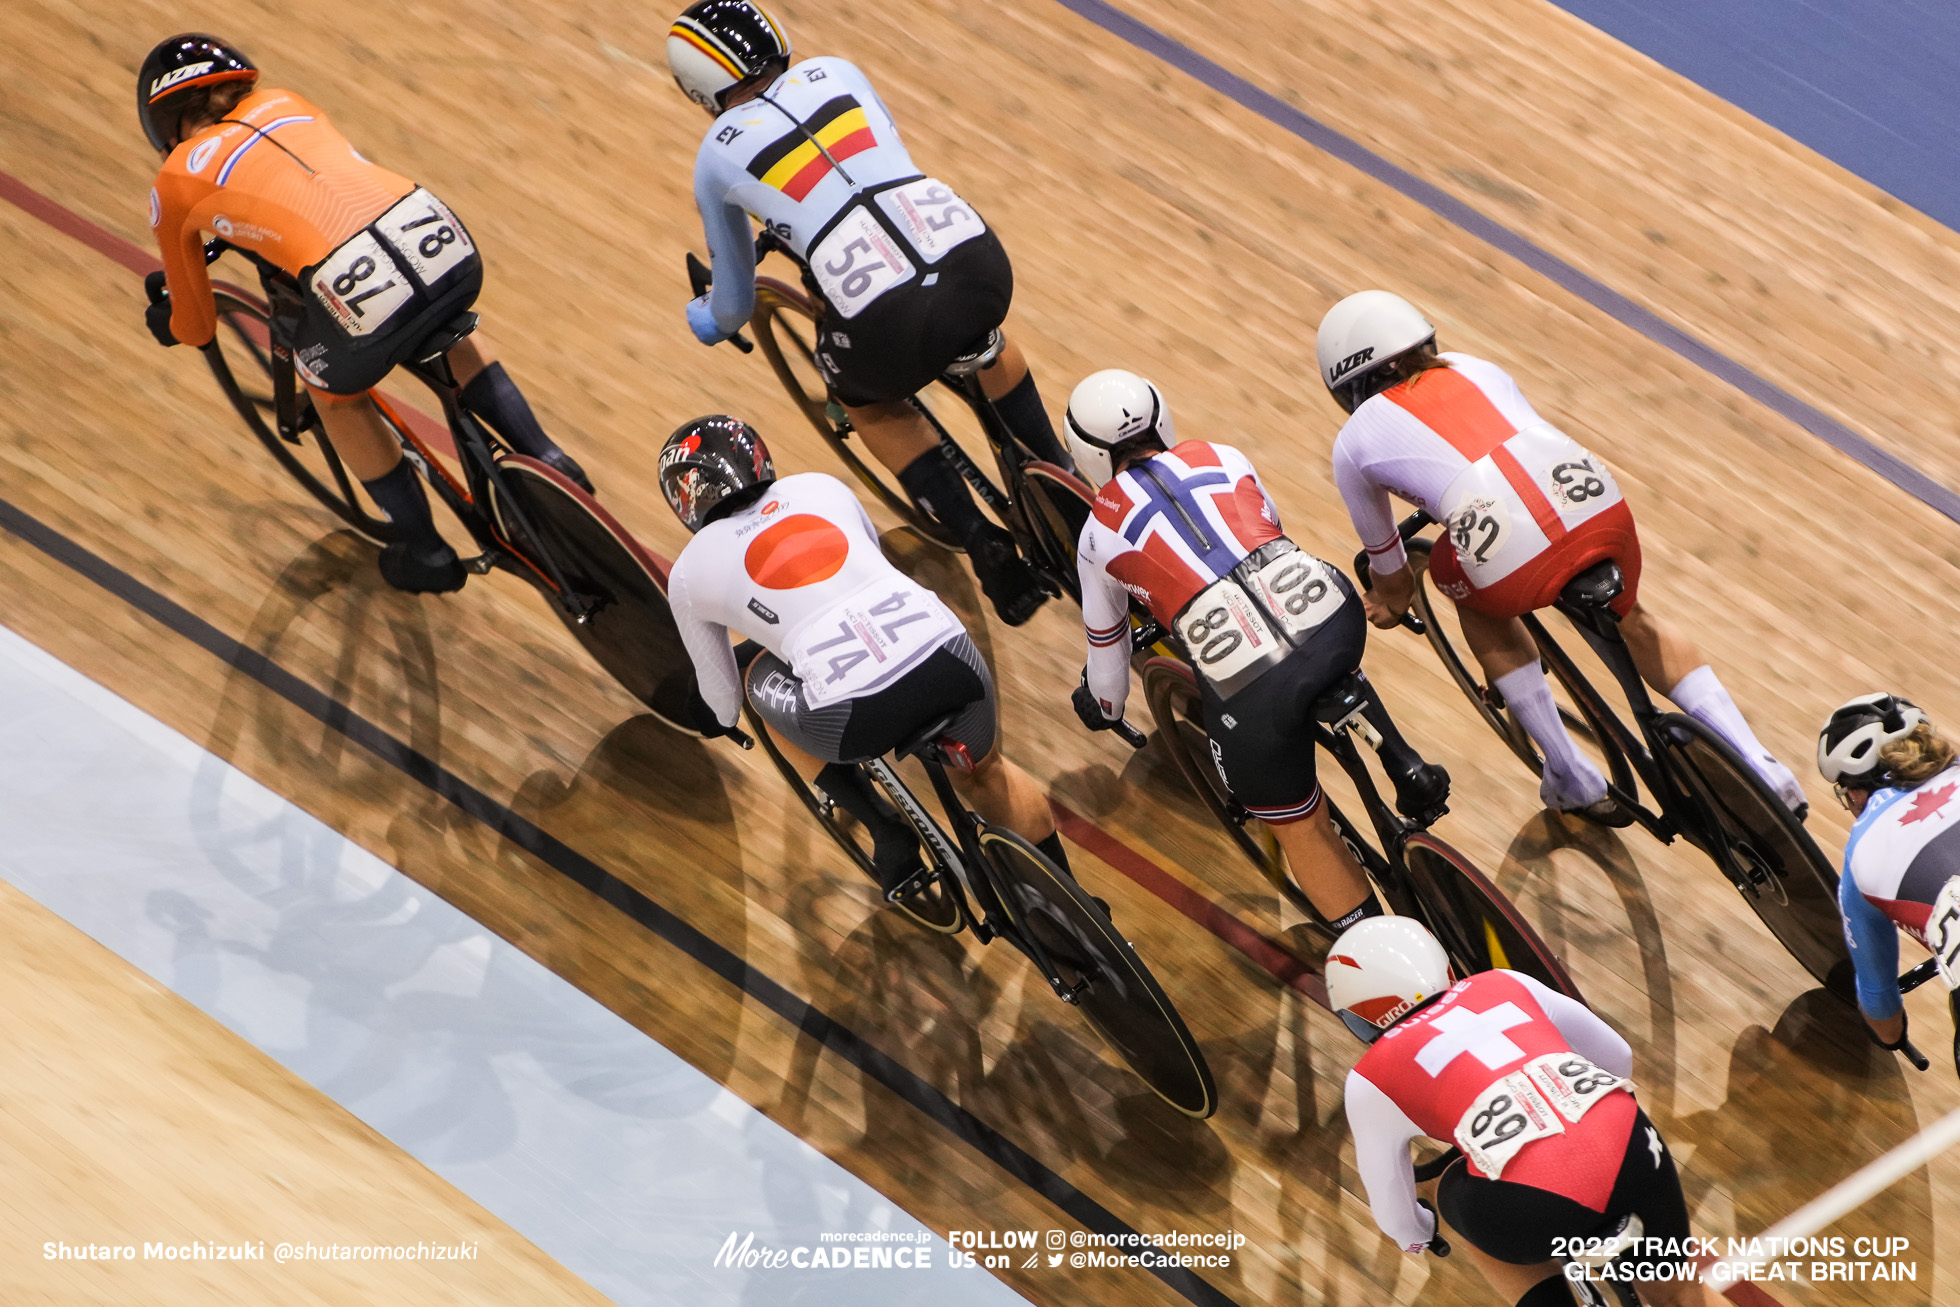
(157, 316)
(1089, 708)
(702, 322)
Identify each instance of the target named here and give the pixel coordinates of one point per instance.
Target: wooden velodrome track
(1155, 225)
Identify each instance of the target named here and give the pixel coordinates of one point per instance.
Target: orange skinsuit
(240, 183)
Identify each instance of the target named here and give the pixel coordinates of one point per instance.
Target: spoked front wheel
(1477, 926)
(240, 357)
(1111, 986)
(618, 593)
(1780, 871)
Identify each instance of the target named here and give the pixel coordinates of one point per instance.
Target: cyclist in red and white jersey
(1187, 529)
(1525, 509)
(1899, 777)
(854, 655)
(1532, 1088)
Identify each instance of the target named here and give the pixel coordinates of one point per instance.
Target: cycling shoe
(1424, 794)
(1010, 583)
(422, 568)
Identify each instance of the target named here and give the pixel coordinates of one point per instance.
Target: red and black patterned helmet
(708, 461)
(178, 75)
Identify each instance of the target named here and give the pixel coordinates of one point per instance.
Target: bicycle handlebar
(1913, 1055)
(1919, 975)
(699, 278)
(1129, 734)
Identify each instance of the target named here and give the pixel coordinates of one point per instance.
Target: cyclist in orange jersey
(360, 264)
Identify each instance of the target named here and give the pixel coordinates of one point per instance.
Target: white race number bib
(857, 262)
(932, 217)
(1505, 1117)
(1480, 529)
(874, 635)
(427, 234)
(1300, 591)
(1225, 633)
(360, 285)
(1571, 1084)
(1943, 932)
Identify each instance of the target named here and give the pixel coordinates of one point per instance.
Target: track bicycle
(987, 879)
(1041, 505)
(1698, 787)
(1416, 874)
(525, 517)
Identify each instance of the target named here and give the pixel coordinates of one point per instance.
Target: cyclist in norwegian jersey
(362, 266)
(1533, 1089)
(1187, 528)
(847, 656)
(1525, 509)
(1898, 776)
(910, 277)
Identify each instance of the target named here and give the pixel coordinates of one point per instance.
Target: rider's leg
(1008, 382)
(900, 439)
(1005, 795)
(421, 562)
(1325, 869)
(1504, 649)
(1671, 664)
(1540, 1284)
(489, 393)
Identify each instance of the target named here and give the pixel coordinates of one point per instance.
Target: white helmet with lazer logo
(1363, 332)
(1109, 409)
(1380, 970)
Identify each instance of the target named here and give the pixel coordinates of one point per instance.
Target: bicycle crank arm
(1918, 976)
(1913, 1055)
(1072, 994)
(484, 563)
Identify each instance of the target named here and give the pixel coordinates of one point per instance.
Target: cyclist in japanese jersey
(1187, 528)
(1898, 776)
(1525, 509)
(1532, 1088)
(910, 278)
(362, 266)
(847, 655)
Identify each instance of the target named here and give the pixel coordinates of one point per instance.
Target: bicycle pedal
(482, 563)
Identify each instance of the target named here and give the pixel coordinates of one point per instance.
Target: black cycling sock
(1370, 907)
(400, 495)
(1548, 1292)
(1021, 409)
(935, 483)
(1397, 754)
(1052, 848)
(495, 398)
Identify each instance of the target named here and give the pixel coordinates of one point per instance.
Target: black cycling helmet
(708, 462)
(716, 45)
(178, 75)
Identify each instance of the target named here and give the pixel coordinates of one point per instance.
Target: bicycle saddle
(1596, 587)
(926, 740)
(444, 338)
(1341, 700)
(979, 357)
(1628, 1233)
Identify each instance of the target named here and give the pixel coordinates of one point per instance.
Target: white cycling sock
(1571, 781)
(1700, 694)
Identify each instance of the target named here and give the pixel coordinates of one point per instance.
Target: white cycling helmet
(1363, 332)
(1847, 747)
(1111, 408)
(717, 44)
(1380, 969)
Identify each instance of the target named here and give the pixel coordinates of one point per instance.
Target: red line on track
(69, 223)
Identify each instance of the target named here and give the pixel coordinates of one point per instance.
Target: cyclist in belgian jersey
(1533, 1089)
(847, 656)
(1899, 778)
(910, 278)
(1525, 509)
(362, 265)
(1188, 530)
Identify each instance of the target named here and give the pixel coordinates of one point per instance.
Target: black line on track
(805, 1017)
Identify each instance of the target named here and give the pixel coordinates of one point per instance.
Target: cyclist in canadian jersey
(361, 265)
(854, 655)
(911, 279)
(1898, 776)
(1525, 509)
(1533, 1089)
(1187, 529)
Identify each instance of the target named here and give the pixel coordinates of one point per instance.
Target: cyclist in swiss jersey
(1187, 530)
(910, 278)
(1533, 1090)
(1899, 778)
(362, 267)
(854, 656)
(1525, 509)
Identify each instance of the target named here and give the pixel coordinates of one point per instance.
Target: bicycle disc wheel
(630, 630)
(1119, 996)
(785, 324)
(240, 358)
(1476, 925)
(932, 907)
(1171, 689)
(1785, 877)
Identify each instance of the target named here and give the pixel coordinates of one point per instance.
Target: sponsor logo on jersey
(773, 507)
(176, 75)
(156, 207)
(797, 160)
(222, 225)
(202, 154)
(763, 611)
(1352, 361)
